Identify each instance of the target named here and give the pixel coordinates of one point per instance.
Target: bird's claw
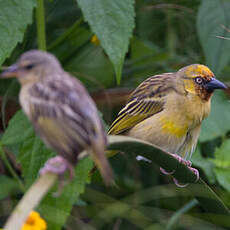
(178, 184)
(166, 172)
(186, 163)
(196, 172)
(58, 165)
(182, 160)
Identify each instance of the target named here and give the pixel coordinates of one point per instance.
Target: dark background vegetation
(167, 36)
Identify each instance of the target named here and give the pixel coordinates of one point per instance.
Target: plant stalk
(29, 201)
(41, 30)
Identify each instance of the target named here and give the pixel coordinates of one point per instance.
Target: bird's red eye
(199, 80)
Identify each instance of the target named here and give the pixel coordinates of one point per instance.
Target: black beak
(11, 71)
(214, 84)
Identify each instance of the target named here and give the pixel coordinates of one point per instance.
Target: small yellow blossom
(95, 40)
(34, 222)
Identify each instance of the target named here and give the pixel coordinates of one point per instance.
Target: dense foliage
(111, 46)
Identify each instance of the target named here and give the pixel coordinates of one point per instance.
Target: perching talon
(196, 172)
(179, 185)
(166, 172)
(57, 165)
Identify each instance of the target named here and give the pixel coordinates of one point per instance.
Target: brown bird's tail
(98, 154)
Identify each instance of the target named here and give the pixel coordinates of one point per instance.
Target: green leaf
(218, 122)
(222, 163)
(223, 177)
(212, 17)
(222, 153)
(94, 74)
(18, 130)
(15, 16)
(205, 164)
(113, 23)
(8, 186)
(57, 209)
(32, 152)
(32, 155)
(201, 191)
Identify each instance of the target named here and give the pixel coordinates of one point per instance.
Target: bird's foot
(166, 172)
(186, 163)
(178, 184)
(182, 160)
(195, 171)
(58, 165)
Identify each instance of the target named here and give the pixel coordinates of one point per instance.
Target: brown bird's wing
(67, 120)
(146, 100)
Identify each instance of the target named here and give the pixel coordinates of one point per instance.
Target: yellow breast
(173, 126)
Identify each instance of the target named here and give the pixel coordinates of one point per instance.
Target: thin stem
(10, 168)
(41, 31)
(30, 200)
(175, 218)
(61, 38)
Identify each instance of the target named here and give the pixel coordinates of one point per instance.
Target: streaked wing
(146, 100)
(68, 139)
(64, 116)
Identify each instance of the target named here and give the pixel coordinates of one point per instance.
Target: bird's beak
(11, 71)
(215, 84)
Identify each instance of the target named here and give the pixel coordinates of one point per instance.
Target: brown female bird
(167, 110)
(61, 111)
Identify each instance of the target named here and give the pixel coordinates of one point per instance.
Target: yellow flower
(34, 222)
(95, 40)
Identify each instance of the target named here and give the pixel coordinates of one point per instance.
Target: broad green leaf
(222, 163)
(57, 209)
(222, 154)
(92, 67)
(212, 17)
(18, 130)
(201, 191)
(32, 152)
(218, 122)
(8, 186)
(14, 18)
(32, 156)
(205, 164)
(146, 60)
(113, 23)
(223, 177)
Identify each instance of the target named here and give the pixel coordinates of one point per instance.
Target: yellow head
(199, 80)
(33, 66)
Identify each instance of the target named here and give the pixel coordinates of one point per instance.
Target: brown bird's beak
(214, 84)
(11, 71)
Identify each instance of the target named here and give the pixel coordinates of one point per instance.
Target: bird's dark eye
(28, 67)
(198, 80)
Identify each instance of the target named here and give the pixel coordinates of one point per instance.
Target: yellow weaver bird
(167, 110)
(61, 111)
